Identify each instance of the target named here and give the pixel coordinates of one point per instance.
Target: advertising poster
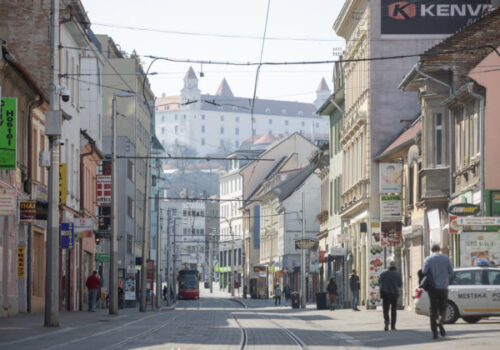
(479, 246)
(376, 265)
(391, 206)
(130, 289)
(391, 234)
(390, 177)
(8, 128)
(421, 17)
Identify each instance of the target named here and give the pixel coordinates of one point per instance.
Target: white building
(219, 123)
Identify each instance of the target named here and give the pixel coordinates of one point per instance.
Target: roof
(323, 86)
(224, 89)
(404, 138)
(290, 185)
(190, 74)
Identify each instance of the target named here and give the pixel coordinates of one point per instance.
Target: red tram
(189, 284)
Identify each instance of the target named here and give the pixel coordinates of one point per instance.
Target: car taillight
(418, 293)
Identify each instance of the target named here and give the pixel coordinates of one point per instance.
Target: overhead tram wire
(193, 158)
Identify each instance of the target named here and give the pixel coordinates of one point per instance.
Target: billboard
(424, 17)
(479, 246)
(390, 177)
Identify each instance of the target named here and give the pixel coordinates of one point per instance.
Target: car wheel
(471, 319)
(451, 313)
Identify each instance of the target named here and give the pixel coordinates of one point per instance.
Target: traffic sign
(479, 221)
(305, 243)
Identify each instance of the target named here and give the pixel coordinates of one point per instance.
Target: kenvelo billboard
(424, 17)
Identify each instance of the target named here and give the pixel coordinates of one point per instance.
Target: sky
(209, 23)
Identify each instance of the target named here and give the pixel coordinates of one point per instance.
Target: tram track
(244, 341)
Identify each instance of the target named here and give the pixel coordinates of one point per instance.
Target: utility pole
(210, 266)
(158, 250)
(53, 129)
(145, 239)
(303, 258)
(233, 257)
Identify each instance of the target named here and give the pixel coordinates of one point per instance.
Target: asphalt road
(218, 322)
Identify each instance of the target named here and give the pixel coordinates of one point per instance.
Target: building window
(129, 244)
(203, 117)
(286, 122)
(221, 118)
(130, 170)
(302, 124)
(237, 131)
(184, 116)
(203, 142)
(438, 139)
(221, 129)
(237, 119)
(176, 129)
(270, 121)
(411, 184)
(175, 117)
(162, 131)
(130, 207)
(236, 144)
(163, 118)
(203, 128)
(268, 110)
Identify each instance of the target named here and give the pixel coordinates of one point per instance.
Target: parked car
(474, 292)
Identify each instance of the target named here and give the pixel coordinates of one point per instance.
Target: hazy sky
(208, 21)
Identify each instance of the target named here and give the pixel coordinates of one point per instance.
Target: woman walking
(331, 288)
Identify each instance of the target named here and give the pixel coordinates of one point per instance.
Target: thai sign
(479, 246)
(392, 235)
(27, 211)
(8, 128)
(391, 206)
(390, 177)
(424, 17)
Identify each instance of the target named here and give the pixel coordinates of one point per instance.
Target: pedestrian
(277, 295)
(164, 291)
(92, 284)
(287, 293)
(390, 282)
(438, 269)
(331, 288)
(354, 284)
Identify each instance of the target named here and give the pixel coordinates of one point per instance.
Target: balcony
(435, 187)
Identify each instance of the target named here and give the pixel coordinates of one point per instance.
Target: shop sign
(27, 211)
(479, 246)
(425, 17)
(67, 235)
(129, 289)
(392, 234)
(463, 209)
(390, 177)
(8, 128)
(103, 257)
(479, 221)
(20, 262)
(7, 202)
(495, 203)
(83, 227)
(391, 206)
(259, 268)
(103, 189)
(305, 243)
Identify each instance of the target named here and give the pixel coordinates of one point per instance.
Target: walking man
(287, 293)
(92, 284)
(390, 282)
(354, 285)
(277, 295)
(439, 270)
(331, 288)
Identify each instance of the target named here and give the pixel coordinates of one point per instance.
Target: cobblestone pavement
(218, 321)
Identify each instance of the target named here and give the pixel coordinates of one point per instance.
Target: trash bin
(295, 300)
(207, 284)
(321, 301)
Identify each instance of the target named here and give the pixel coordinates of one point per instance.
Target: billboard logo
(402, 10)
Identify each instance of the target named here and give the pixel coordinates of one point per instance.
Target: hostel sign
(8, 127)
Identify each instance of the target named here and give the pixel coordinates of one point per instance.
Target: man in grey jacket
(441, 271)
(390, 282)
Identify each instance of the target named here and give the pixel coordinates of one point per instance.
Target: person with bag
(277, 295)
(331, 288)
(354, 284)
(438, 271)
(390, 282)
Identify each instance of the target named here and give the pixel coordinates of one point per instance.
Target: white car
(474, 292)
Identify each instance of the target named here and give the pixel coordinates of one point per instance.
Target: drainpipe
(450, 153)
(481, 137)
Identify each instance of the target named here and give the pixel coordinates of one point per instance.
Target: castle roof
(323, 86)
(190, 74)
(224, 89)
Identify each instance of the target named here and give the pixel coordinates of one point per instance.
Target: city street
(218, 322)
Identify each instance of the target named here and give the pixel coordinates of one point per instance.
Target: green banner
(216, 269)
(8, 126)
(102, 257)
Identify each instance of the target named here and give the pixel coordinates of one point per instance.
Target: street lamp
(113, 269)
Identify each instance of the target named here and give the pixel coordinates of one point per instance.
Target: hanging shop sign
(103, 189)
(391, 206)
(8, 138)
(27, 211)
(390, 177)
(83, 227)
(20, 261)
(425, 17)
(7, 202)
(306, 243)
(463, 209)
(62, 183)
(67, 235)
(392, 235)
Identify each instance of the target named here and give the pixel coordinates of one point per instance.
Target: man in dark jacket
(354, 285)
(390, 282)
